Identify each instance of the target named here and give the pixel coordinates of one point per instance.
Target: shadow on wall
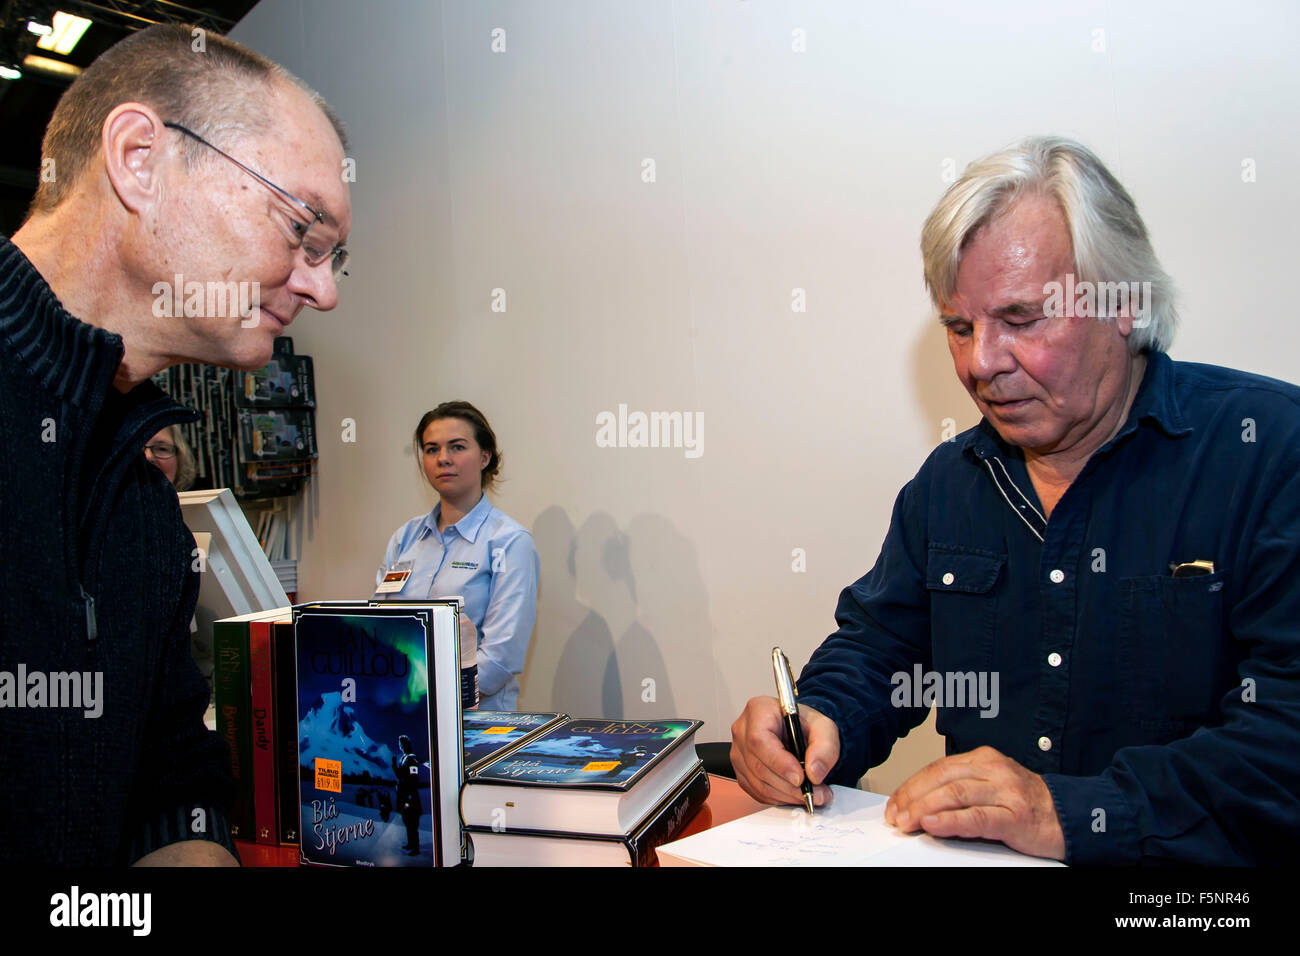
(622, 620)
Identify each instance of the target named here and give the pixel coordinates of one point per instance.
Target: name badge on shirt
(395, 578)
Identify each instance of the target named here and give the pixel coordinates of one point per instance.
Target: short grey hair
(219, 91)
(1109, 239)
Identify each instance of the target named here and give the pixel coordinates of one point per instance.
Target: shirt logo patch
(465, 565)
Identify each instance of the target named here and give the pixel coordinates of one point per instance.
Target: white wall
(775, 170)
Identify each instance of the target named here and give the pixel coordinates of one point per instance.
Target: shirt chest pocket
(962, 584)
(1174, 656)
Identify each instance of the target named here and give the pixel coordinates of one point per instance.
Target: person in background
(466, 547)
(171, 453)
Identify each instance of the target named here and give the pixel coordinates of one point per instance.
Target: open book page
(850, 832)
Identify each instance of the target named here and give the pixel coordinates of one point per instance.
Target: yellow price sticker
(601, 765)
(497, 730)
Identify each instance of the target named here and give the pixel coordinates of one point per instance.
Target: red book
(263, 731)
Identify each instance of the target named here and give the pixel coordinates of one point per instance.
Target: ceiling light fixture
(51, 67)
(66, 32)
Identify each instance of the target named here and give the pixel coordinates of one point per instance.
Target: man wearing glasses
(173, 167)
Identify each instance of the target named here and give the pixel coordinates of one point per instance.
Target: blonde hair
(186, 467)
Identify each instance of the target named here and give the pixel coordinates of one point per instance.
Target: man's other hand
(980, 794)
(765, 769)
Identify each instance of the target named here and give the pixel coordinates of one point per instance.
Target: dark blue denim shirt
(1163, 712)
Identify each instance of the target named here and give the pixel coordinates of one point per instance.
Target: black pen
(786, 693)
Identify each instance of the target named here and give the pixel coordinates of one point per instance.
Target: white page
(850, 832)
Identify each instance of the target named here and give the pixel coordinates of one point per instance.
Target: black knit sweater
(97, 579)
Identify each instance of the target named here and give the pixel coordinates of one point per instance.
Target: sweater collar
(71, 359)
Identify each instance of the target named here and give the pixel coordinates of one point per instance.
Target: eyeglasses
(315, 246)
(161, 450)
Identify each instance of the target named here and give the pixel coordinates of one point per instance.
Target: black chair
(717, 758)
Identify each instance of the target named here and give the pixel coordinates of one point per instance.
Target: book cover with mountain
(586, 752)
(368, 777)
(489, 733)
(581, 776)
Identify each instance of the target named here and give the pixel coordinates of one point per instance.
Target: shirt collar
(1155, 401)
(467, 527)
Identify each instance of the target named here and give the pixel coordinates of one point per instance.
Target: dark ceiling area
(26, 103)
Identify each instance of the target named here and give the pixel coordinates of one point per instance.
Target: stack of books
(348, 742)
(253, 686)
(548, 790)
(343, 721)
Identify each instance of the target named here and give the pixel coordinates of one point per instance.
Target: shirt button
(1054, 659)
(948, 578)
(1057, 575)
(1044, 743)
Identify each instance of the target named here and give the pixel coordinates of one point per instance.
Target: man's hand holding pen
(765, 769)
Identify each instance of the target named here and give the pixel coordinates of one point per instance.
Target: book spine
(262, 731)
(230, 687)
(445, 753)
(285, 694)
(669, 818)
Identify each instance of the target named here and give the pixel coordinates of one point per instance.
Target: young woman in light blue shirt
(466, 546)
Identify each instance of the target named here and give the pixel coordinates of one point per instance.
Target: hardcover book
(379, 743)
(284, 681)
(584, 775)
(232, 689)
(262, 729)
(637, 848)
(488, 734)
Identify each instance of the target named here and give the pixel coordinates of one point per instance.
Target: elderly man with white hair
(1113, 551)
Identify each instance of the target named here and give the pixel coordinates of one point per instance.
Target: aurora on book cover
(607, 754)
(364, 740)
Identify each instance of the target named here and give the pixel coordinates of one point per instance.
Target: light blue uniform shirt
(491, 560)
